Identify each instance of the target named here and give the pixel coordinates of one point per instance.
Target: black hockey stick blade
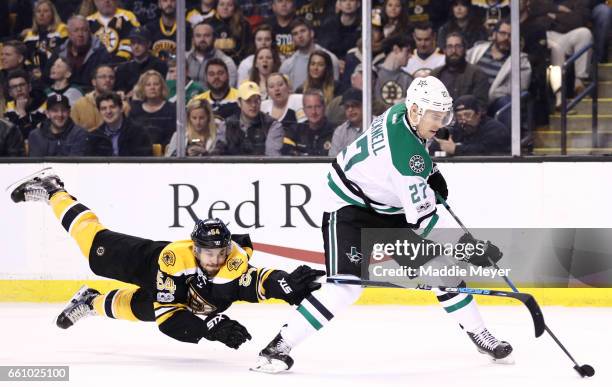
(526, 299)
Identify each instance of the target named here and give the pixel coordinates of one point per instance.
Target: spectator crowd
(273, 77)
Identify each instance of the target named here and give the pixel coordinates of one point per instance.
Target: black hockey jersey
(163, 38)
(114, 34)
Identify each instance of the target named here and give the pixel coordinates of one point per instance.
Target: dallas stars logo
(354, 256)
(417, 163)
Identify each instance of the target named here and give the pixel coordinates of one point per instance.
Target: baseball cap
(248, 89)
(467, 102)
(139, 35)
(352, 95)
(57, 99)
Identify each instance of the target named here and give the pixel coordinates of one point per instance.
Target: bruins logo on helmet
(234, 263)
(169, 258)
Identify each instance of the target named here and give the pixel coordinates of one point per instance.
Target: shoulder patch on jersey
(177, 258)
(234, 263)
(408, 154)
(169, 258)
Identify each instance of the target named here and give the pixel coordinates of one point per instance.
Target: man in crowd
(26, 109)
(203, 43)
(57, 135)
(284, 13)
(113, 25)
(313, 137)
(426, 54)
(348, 132)
(223, 98)
(391, 80)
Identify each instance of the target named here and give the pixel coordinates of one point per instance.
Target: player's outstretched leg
(38, 187)
(121, 304)
(464, 309)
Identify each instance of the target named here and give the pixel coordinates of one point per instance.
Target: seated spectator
(232, 31)
(57, 135)
(222, 97)
(282, 105)
(426, 54)
(117, 136)
(60, 74)
(204, 11)
(12, 57)
(202, 131)
(465, 20)
(262, 39)
(251, 132)
(162, 31)
(26, 109)
(313, 137)
(203, 50)
(601, 13)
(265, 62)
(315, 11)
(83, 52)
(296, 66)
(493, 59)
(492, 12)
(320, 76)
(141, 62)
(459, 76)
(192, 89)
(85, 112)
(11, 140)
(47, 33)
(474, 134)
(348, 132)
(284, 13)
(113, 25)
(395, 19)
(391, 80)
(339, 33)
(428, 11)
(150, 110)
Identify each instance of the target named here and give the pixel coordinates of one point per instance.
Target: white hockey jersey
(386, 169)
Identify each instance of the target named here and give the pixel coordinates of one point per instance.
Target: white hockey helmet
(430, 94)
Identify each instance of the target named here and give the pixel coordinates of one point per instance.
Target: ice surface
(366, 346)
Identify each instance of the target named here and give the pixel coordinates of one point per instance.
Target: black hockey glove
(438, 184)
(221, 328)
(480, 252)
(293, 287)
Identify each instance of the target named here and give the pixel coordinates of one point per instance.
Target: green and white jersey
(388, 167)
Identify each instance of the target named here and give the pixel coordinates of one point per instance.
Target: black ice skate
(38, 187)
(274, 358)
(499, 351)
(78, 307)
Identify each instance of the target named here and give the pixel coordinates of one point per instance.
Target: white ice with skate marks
(366, 346)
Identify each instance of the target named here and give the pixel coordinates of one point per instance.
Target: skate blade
(272, 366)
(19, 182)
(508, 360)
(72, 301)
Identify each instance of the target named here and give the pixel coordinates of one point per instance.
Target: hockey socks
(317, 310)
(463, 308)
(115, 304)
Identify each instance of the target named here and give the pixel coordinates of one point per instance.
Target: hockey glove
(229, 332)
(293, 287)
(438, 184)
(480, 252)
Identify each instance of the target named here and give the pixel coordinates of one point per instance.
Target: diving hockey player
(384, 179)
(177, 281)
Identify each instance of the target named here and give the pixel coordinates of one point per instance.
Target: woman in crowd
(282, 105)
(463, 19)
(60, 74)
(47, 33)
(150, 109)
(265, 62)
(202, 132)
(232, 30)
(262, 38)
(395, 18)
(320, 76)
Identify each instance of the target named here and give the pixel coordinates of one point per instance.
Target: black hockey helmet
(211, 234)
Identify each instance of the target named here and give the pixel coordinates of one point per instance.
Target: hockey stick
(526, 299)
(583, 370)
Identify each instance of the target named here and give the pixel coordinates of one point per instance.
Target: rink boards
(279, 204)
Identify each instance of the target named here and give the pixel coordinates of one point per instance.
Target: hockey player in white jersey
(385, 179)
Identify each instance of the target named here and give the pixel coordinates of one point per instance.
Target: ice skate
(274, 358)
(38, 187)
(78, 307)
(498, 351)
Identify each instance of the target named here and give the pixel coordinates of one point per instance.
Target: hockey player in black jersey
(176, 281)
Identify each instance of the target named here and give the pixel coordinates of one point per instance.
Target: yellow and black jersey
(163, 38)
(225, 107)
(183, 289)
(114, 32)
(41, 45)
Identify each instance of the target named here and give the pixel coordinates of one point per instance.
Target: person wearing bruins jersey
(176, 281)
(112, 25)
(163, 30)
